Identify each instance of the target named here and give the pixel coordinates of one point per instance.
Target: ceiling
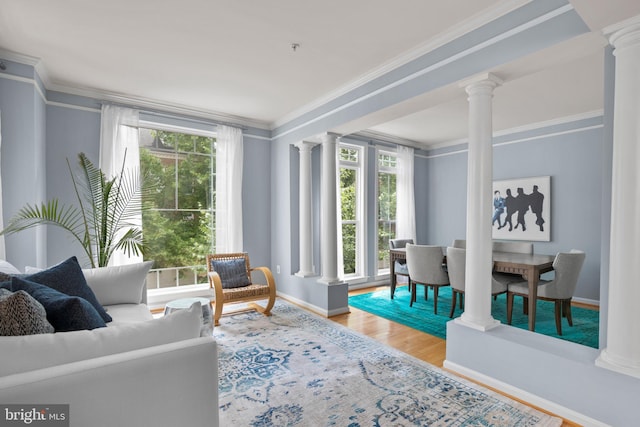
(235, 58)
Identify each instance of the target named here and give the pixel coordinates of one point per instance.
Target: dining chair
(400, 266)
(459, 243)
(425, 268)
(456, 262)
(566, 266)
(513, 247)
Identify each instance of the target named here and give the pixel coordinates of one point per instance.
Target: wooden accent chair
(425, 268)
(230, 278)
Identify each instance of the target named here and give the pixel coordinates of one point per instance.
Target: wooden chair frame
(253, 292)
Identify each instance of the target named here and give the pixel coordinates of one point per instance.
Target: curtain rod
(181, 116)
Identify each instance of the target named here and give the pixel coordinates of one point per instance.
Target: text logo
(34, 415)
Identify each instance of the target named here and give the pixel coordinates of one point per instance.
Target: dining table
(528, 266)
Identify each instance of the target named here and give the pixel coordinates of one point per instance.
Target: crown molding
(128, 100)
(154, 104)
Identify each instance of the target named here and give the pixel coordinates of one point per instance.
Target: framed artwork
(522, 209)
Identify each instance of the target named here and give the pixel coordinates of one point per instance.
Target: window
(352, 208)
(179, 225)
(386, 206)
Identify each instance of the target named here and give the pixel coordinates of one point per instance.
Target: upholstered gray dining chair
(566, 266)
(425, 268)
(513, 247)
(456, 259)
(459, 243)
(400, 266)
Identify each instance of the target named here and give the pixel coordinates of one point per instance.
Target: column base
(305, 274)
(617, 364)
(483, 326)
(330, 281)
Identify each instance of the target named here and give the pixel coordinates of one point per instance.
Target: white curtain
(119, 134)
(405, 195)
(340, 242)
(229, 157)
(2, 250)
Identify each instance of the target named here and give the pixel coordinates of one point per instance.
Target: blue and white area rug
(298, 369)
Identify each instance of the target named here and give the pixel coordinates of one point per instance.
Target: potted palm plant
(103, 220)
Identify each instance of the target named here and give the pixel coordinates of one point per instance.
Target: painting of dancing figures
(521, 209)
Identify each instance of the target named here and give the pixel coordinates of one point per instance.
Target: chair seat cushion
(232, 272)
(252, 290)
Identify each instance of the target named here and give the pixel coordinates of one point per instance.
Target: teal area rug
(421, 317)
(298, 369)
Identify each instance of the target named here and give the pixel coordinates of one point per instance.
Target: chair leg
(461, 301)
(413, 293)
(426, 292)
(453, 303)
(567, 311)
(558, 313)
(525, 305)
(217, 313)
(435, 299)
(509, 307)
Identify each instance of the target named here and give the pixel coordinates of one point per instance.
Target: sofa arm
(166, 385)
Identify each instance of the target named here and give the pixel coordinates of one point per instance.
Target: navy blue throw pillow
(68, 278)
(232, 272)
(64, 312)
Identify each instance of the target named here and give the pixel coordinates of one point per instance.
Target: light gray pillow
(121, 284)
(7, 267)
(21, 314)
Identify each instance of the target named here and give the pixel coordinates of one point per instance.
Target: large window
(352, 207)
(387, 173)
(179, 226)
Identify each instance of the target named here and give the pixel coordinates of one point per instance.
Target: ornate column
(622, 353)
(477, 312)
(305, 209)
(329, 210)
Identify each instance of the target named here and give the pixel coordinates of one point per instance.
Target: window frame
(360, 218)
(379, 151)
(160, 294)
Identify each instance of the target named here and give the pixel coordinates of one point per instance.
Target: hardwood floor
(411, 341)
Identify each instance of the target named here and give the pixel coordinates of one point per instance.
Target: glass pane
(387, 160)
(348, 194)
(386, 231)
(194, 181)
(161, 170)
(348, 154)
(349, 248)
(203, 145)
(177, 238)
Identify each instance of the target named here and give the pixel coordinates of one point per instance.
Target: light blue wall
(38, 138)
(570, 153)
(23, 163)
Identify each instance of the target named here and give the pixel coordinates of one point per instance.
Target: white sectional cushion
(128, 313)
(121, 284)
(31, 352)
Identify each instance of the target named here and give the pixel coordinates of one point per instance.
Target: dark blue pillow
(64, 312)
(232, 272)
(68, 278)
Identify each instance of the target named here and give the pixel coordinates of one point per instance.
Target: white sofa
(138, 371)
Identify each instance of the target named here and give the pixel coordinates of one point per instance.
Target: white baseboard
(587, 301)
(314, 308)
(532, 399)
